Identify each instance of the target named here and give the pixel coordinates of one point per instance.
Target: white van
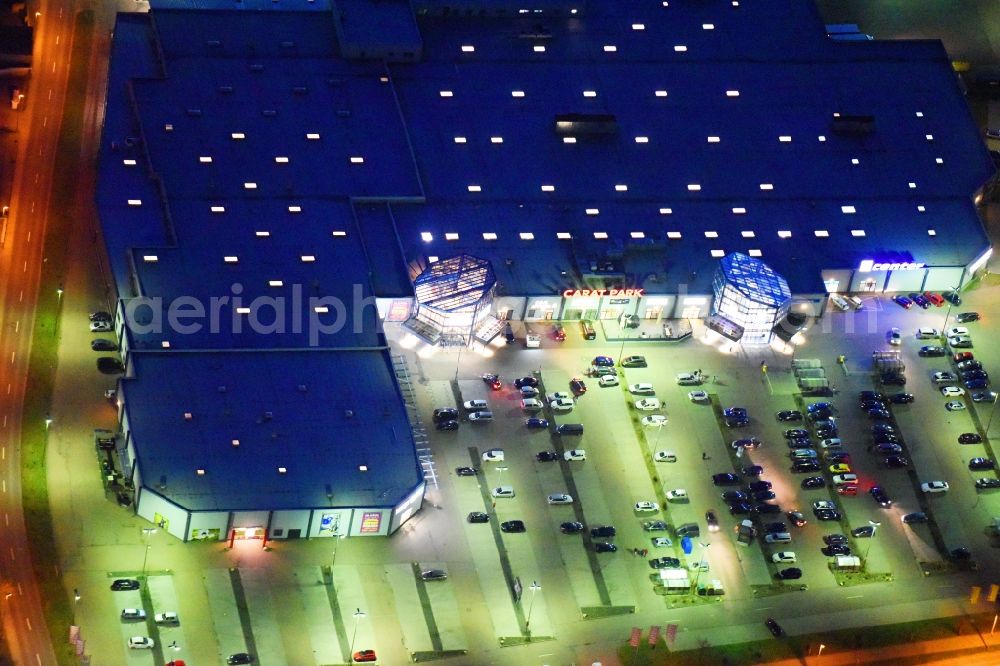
(840, 302)
(481, 416)
(503, 491)
(778, 537)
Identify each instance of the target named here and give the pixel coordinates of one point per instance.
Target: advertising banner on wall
(329, 524)
(371, 522)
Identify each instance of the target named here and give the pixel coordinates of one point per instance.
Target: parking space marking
(267, 647)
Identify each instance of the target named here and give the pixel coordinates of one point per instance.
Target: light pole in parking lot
(531, 606)
(701, 564)
(874, 527)
(947, 314)
(358, 614)
(146, 531)
(338, 538)
(500, 470)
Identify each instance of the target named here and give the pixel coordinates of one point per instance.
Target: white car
(824, 504)
(832, 443)
(935, 487)
(532, 405)
(654, 420)
(960, 341)
(665, 456)
(952, 391)
(558, 395)
(166, 617)
(844, 479)
(954, 406)
(784, 557)
(647, 404)
(688, 379)
(928, 333)
(562, 405)
(575, 454)
(493, 455)
(678, 495)
(646, 507)
(698, 396)
(957, 331)
(141, 643)
(894, 337)
(475, 405)
(100, 326)
(608, 380)
(641, 389)
(133, 614)
(662, 542)
(560, 498)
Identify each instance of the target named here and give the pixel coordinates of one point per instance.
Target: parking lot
(317, 602)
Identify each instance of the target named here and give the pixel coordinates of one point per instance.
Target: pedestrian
(704, 456)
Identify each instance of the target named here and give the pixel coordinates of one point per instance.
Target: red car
(558, 332)
(493, 381)
(365, 655)
(962, 356)
(848, 489)
(936, 299)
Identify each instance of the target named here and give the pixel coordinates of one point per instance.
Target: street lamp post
(947, 314)
(874, 527)
(48, 421)
(701, 564)
(358, 614)
(338, 538)
(500, 470)
(534, 588)
(146, 531)
(820, 653)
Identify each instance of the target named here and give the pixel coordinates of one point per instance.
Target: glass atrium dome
(453, 297)
(751, 295)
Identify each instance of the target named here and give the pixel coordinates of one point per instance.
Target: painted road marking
(856, 596)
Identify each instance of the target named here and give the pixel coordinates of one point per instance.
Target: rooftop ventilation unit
(858, 125)
(586, 123)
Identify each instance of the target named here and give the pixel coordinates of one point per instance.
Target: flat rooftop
(319, 415)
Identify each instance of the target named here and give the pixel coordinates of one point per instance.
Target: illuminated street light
(146, 531)
(534, 588)
(874, 527)
(336, 543)
(821, 646)
(500, 470)
(358, 614)
(48, 421)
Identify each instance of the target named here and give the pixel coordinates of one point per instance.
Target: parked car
(966, 317)
(665, 563)
(546, 456)
(362, 656)
(812, 482)
(100, 326)
(466, 471)
(571, 527)
(521, 382)
(725, 479)
(647, 404)
(577, 386)
(698, 396)
(969, 438)
(141, 643)
(131, 614)
(604, 531)
(478, 517)
(558, 332)
(124, 584)
(654, 420)
(560, 498)
(834, 550)
(433, 574)
(665, 456)
(646, 507)
(987, 483)
(605, 547)
(896, 462)
(536, 423)
(562, 405)
(915, 517)
(932, 350)
(446, 425)
(607, 380)
(239, 659)
(712, 520)
(954, 405)
(514, 526)
(166, 617)
(984, 396)
(880, 496)
(575, 455)
(863, 532)
(688, 379)
(757, 486)
(789, 415)
(934, 486)
(634, 362)
(791, 573)
(493, 455)
(109, 365)
(981, 463)
(752, 470)
(903, 301)
(654, 526)
(443, 414)
(641, 389)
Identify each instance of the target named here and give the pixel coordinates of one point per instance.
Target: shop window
(278, 532)
(653, 312)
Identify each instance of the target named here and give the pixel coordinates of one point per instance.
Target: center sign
(867, 265)
(570, 293)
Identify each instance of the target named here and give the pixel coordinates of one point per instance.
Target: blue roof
(320, 415)
(755, 280)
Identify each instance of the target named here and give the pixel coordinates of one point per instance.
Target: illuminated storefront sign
(371, 521)
(570, 293)
(868, 265)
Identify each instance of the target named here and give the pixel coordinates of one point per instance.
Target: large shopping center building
(466, 163)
